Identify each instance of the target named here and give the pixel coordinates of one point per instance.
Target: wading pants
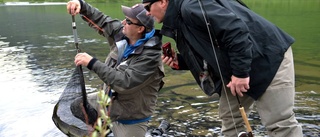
(275, 106)
(118, 129)
(129, 130)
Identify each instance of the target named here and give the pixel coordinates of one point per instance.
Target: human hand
(170, 61)
(73, 7)
(238, 85)
(169, 57)
(82, 59)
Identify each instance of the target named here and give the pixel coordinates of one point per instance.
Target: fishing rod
(246, 121)
(90, 114)
(241, 108)
(75, 35)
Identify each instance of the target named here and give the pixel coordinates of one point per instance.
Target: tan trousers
(275, 106)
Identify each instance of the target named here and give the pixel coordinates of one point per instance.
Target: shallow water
(36, 62)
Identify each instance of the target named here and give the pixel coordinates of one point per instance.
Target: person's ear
(141, 29)
(164, 3)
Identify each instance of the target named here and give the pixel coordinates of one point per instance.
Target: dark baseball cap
(146, 1)
(138, 12)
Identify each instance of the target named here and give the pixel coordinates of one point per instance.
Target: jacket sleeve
(182, 63)
(136, 75)
(109, 27)
(231, 32)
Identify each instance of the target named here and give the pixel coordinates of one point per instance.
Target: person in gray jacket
(133, 68)
(231, 50)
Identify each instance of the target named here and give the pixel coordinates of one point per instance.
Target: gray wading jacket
(247, 44)
(137, 79)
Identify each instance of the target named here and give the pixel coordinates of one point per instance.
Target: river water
(36, 62)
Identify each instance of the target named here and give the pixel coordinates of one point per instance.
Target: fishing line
(95, 25)
(243, 114)
(108, 88)
(216, 58)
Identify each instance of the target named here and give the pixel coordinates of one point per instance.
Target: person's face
(156, 9)
(131, 27)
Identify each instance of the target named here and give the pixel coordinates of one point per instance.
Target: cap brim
(127, 11)
(146, 1)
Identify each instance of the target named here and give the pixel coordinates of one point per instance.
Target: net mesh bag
(72, 114)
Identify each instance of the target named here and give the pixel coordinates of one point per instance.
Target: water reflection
(22, 106)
